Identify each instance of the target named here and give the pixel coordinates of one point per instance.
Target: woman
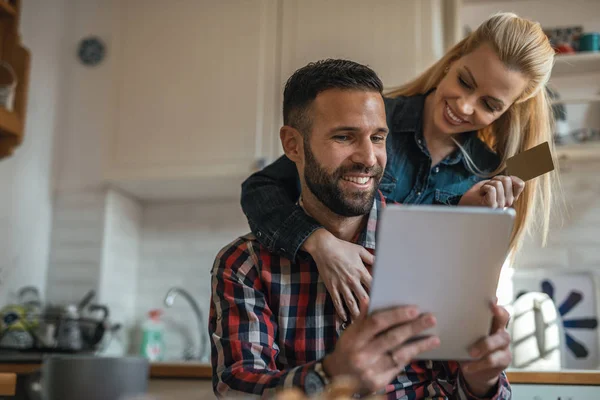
(451, 131)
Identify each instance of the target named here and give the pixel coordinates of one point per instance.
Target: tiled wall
(574, 240)
(178, 247)
(76, 245)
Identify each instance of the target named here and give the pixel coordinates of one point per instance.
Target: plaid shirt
(271, 320)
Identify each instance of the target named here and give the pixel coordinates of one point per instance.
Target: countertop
(204, 371)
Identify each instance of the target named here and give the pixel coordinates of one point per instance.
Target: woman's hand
(499, 192)
(493, 356)
(342, 267)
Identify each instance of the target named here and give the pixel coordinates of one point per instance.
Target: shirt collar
(367, 237)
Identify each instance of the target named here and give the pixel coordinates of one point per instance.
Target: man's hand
(499, 192)
(493, 354)
(373, 350)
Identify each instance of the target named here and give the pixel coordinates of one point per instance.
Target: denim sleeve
(269, 200)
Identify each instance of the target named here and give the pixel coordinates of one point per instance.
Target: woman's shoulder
(403, 110)
(482, 155)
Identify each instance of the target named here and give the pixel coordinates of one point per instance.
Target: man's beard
(326, 187)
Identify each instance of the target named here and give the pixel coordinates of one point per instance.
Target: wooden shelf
(580, 151)
(578, 63)
(10, 123)
(577, 100)
(7, 9)
(8, 384)
(590, 378)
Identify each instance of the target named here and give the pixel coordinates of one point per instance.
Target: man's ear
(292, 142)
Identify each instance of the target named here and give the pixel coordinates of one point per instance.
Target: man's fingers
(406, 353)
(399, 334)
(490, 344)
(497, 360)
(500, 320)
(380, 321)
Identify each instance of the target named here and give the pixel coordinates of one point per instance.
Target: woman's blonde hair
(522, 46)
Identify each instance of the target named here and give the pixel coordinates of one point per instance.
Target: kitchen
(114, 190)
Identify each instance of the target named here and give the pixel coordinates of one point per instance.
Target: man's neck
(345, 228)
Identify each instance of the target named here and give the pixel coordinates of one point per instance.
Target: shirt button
(419, 141)
(259, 234)
(436, 170)
(418, 193)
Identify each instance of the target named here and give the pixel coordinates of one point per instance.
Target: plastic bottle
(152, 337)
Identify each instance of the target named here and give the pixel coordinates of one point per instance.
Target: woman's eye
(489, 107)
(464, 83)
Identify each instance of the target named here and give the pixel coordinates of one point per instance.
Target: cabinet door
(194, 78)
(397, 38)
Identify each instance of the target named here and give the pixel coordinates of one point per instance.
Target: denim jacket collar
(409, 120)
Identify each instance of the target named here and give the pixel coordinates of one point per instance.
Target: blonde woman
(451, 131)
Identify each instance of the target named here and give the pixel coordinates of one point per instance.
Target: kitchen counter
(203, 371)
(183, 370)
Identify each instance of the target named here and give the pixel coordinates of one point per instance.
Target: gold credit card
(531, 163)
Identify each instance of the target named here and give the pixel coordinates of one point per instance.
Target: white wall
(25, 178)
(178, 248)
(550, 13)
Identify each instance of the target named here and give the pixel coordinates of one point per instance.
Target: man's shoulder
(241, 251)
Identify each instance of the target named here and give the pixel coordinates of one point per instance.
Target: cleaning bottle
(152, 337)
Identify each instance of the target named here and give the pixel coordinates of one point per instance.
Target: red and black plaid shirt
(271, 320)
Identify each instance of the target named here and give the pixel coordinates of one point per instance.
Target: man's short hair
(302, 88)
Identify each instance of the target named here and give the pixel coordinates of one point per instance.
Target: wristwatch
(315, 380)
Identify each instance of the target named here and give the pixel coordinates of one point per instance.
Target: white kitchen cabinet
(398, 39)
(195, 81)
(200, 82)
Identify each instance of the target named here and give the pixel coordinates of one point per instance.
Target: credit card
(531, 163)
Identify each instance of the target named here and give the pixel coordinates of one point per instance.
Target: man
(272, 323)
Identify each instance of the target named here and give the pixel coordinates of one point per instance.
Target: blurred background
(132, 124)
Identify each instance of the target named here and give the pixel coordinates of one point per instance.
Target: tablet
(447, 261)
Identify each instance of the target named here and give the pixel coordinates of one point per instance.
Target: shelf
(10, 123)
(579, 151)
(576, 100)
(578, 63)
(7, 9)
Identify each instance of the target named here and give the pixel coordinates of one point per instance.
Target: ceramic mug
(589, 42)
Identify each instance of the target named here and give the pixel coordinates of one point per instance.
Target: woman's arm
(269, 200)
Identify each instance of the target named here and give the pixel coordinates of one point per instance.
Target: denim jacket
(269, 196)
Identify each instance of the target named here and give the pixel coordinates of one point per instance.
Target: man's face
(344, 154)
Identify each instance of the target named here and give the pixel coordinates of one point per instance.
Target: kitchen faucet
(189, 352)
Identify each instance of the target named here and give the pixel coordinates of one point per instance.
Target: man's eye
(377, 139)
(341, 138)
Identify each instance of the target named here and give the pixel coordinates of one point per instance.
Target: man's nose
(365, 154)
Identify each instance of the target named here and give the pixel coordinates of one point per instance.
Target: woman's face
(477, 89)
